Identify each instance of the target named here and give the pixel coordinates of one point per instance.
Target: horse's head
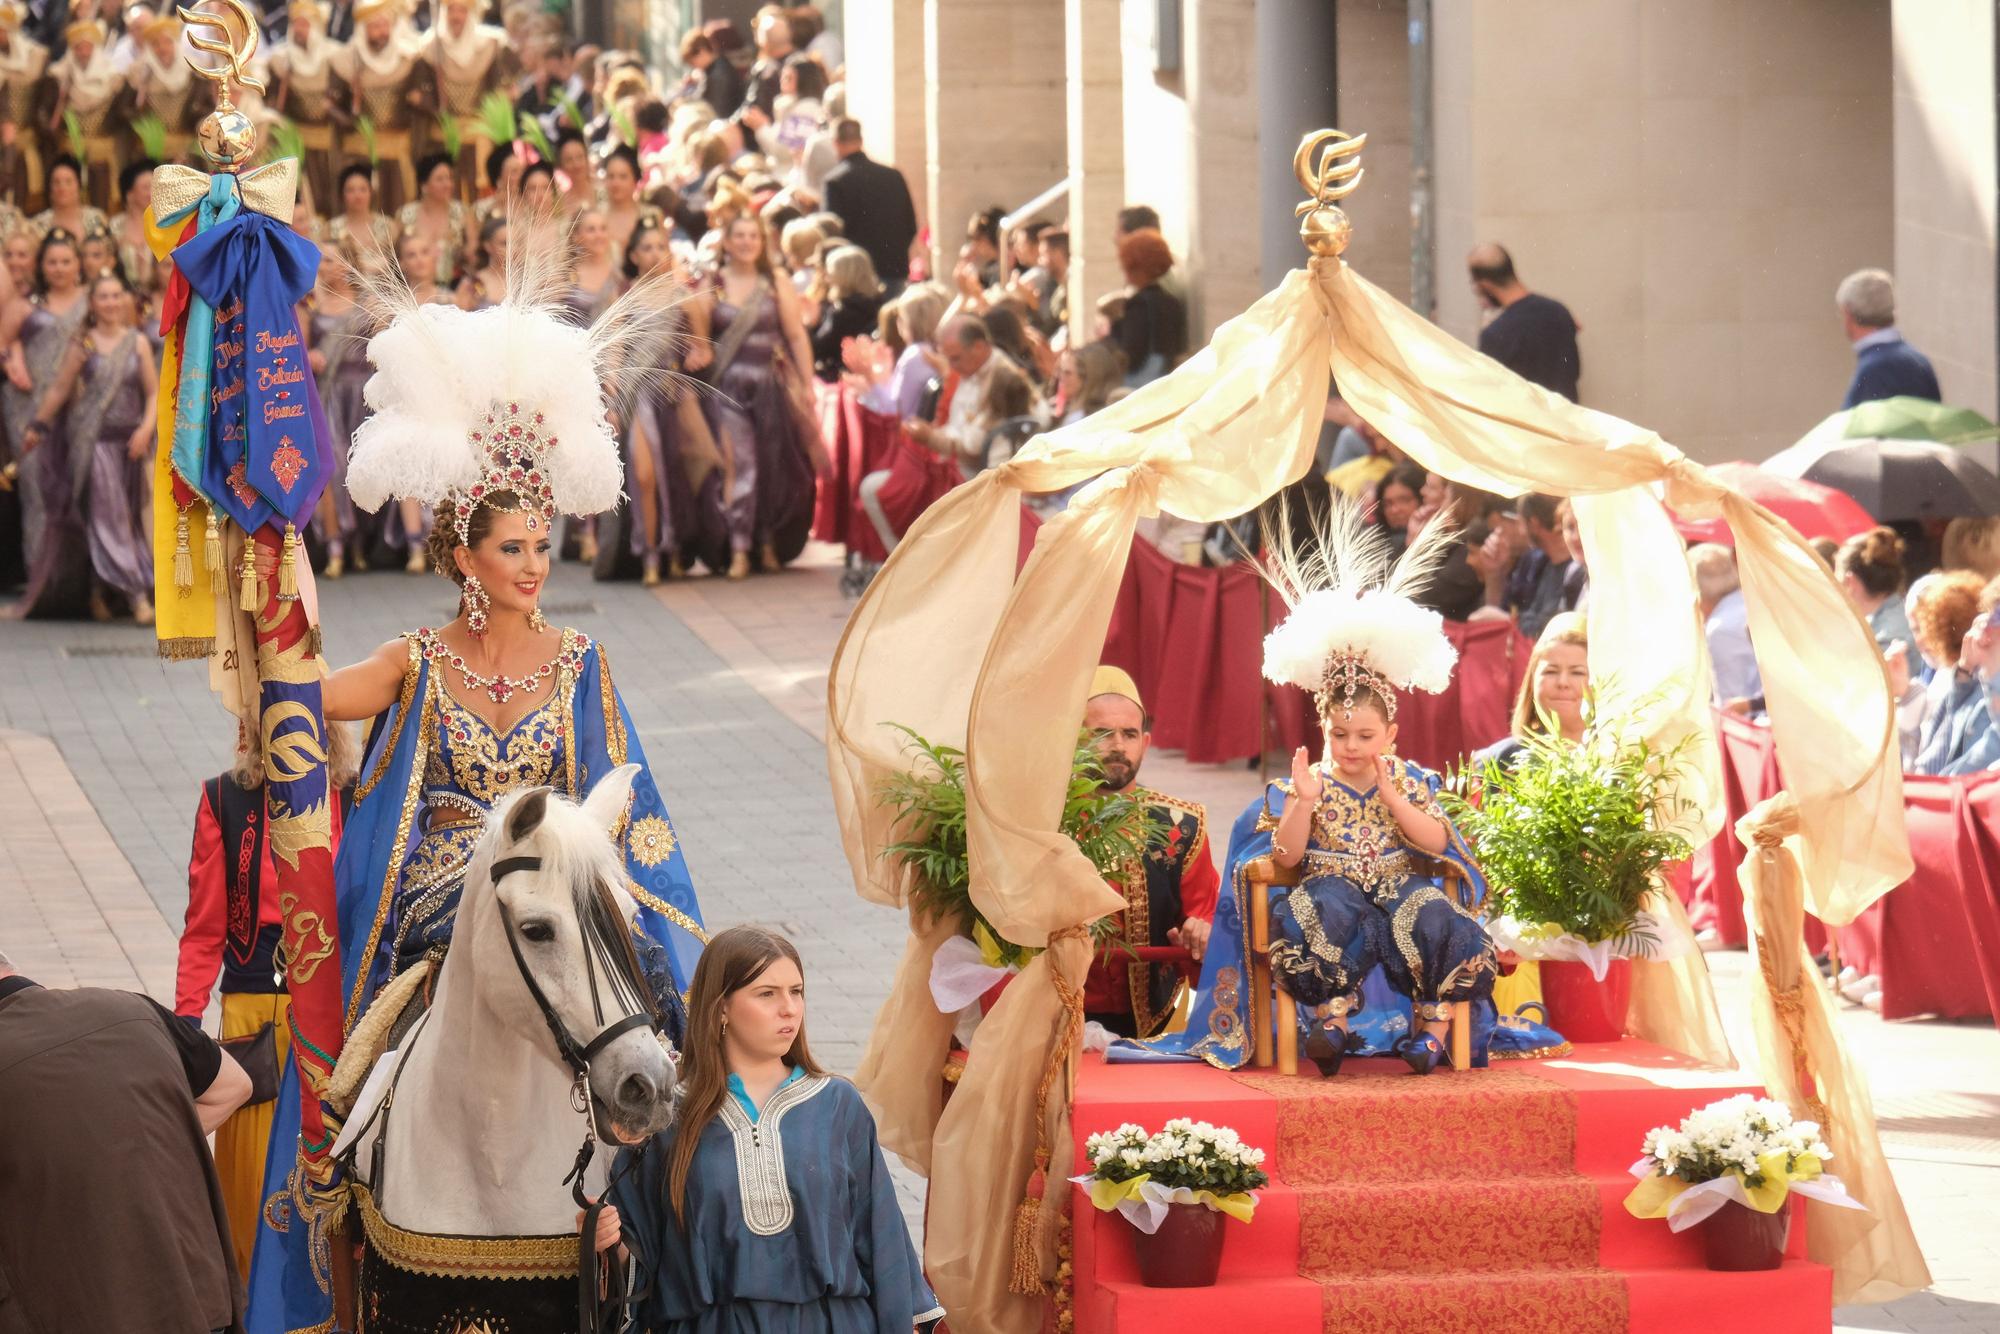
(566, 919)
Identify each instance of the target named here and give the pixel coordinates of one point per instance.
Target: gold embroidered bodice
(1356, 838)
(473, 764)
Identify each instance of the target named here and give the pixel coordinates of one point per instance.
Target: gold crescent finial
(236, 52)
(1328, 165)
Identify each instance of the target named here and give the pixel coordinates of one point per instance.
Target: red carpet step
(1491, 1200)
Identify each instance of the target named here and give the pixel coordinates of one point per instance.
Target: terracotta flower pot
(1186, 1251)
(1583, 1009)
(1739, 1238)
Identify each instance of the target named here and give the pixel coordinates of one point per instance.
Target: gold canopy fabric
(1210, 441)
(1874, 1255)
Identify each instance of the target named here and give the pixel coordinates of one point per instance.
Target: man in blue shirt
(1885, 365)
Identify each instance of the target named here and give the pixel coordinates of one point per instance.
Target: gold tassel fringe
(250, 602)
(288, 569)
(183, 556)
(211, 555)
(187, 648)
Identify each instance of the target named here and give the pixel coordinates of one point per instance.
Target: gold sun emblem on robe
(652, 840)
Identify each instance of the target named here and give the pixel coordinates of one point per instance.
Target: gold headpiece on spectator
(85, 30)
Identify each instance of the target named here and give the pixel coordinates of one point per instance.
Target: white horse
(479, 1112)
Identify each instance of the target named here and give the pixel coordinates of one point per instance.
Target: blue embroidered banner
(268, 452)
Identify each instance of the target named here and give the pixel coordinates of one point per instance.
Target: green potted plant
(929, 800)
(1175, 1188)
(1731, 1167)
(1572, 838)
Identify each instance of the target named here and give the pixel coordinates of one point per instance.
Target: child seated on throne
(1364, 827)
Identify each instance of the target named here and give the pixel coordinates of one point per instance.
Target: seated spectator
(1356, 474)
(114, 1219)
(1576, 585)
(1869, 567)
(968, 351)
(1009, 330)
(1726, 624)
(853, 299)
(1397, 496)
(1555, 689)
(1944, 614)
(1971, 544)
(901, 390)
(1537, 584)
(1152, 329)
(1468, 581)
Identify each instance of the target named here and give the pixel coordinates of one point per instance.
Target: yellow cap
(12, 15)
(85, 30)
(1110, 680)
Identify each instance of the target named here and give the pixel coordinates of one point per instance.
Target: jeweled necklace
(498, 688)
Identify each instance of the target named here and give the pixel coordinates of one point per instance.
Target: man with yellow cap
(23, 63)
(1170, 892)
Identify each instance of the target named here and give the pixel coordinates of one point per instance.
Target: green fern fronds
(496, 113)
(929, 798)
(151, 132)
(622, 126)
(448, 134)
(538, 138)
(566, 104)
(365, 127)
(284, 140)
(73, 131)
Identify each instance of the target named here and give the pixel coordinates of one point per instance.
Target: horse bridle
(594, 1313)
(578, 1056)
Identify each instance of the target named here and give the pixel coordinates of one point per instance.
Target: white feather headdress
(1352, 622)
(510, 398)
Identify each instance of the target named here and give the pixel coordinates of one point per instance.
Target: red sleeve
(1200, 885)
(201, 938)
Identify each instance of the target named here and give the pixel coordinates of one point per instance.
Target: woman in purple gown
(768, 475)
(664, 433)
(60, 304)
(336, 336)
(104, 393)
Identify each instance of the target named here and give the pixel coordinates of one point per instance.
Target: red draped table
(1935, 940)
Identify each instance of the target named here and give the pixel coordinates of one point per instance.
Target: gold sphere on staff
(227, 136)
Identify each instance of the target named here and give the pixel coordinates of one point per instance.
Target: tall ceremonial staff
(243, 454)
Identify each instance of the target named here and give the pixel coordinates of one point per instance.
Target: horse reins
(595, 1314)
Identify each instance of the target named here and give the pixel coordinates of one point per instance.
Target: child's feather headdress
(1352, 624)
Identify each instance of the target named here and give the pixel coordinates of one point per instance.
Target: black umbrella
(1896, 479)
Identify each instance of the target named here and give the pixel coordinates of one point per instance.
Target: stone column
(994, 110)
(1944, 192)
(884, 41)
(1096, 77)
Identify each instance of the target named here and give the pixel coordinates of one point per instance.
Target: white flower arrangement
(1187, 1162)
(1747, 1149)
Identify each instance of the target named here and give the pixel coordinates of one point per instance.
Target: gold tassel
(1027, 1275)
(250, 601)
(183, 555)
(288, 568)
(211, 555)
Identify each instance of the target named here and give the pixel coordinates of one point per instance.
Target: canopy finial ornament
(227, 136)
(1328, 165)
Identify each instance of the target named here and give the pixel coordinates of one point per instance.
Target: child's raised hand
(1306, 784)
(1388, 783)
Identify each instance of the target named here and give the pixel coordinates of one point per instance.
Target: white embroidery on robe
(760, 1156)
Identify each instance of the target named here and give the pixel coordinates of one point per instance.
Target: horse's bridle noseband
(577, 1056)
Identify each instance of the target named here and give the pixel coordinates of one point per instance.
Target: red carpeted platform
(1491, 1200)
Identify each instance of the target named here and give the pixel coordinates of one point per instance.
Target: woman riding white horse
(496, 420)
